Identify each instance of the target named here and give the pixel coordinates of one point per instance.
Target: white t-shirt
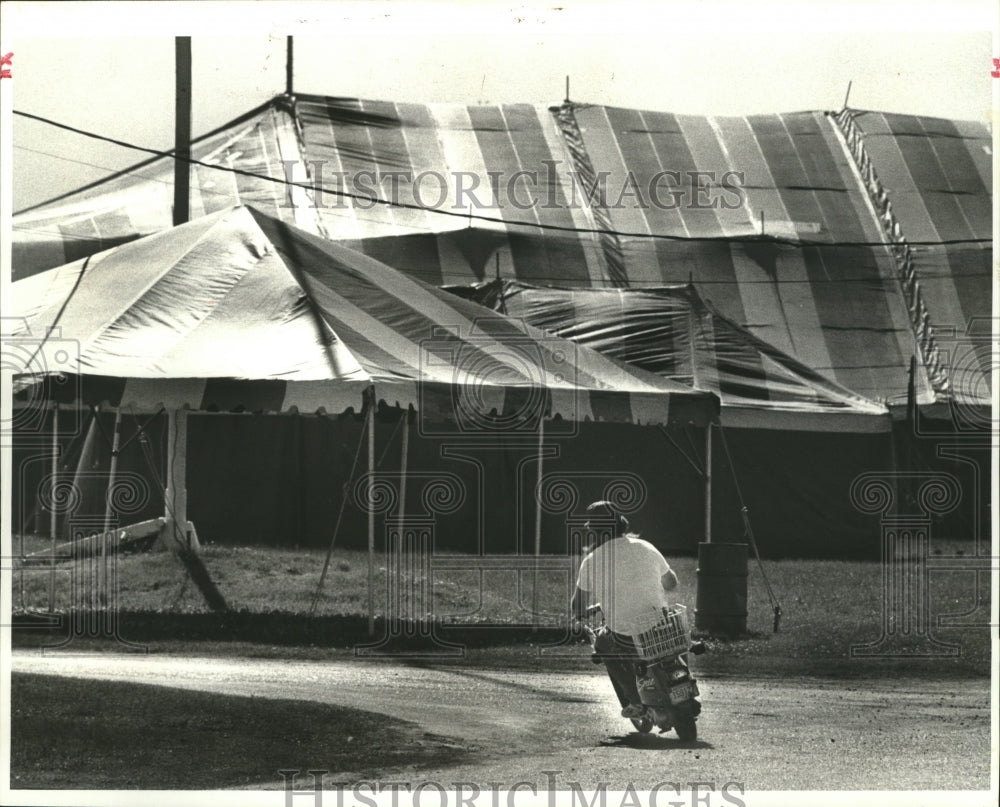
(623, 575)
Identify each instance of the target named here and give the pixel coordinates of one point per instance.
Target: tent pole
(403, 462)
(175, 496)
(538, 522)
(708, 483)
(371, 515)
(692, 331)
(112, 475)
(53, 515)
(289, 70)
(538, 506)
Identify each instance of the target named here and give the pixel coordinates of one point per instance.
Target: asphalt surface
(515, 725)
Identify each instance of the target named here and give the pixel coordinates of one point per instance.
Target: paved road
(811, 734)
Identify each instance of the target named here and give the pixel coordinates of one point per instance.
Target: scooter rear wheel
(643, 724)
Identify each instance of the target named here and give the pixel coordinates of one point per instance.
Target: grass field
(828, 606)
(158, 737)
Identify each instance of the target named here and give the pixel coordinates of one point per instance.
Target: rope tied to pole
(346, 490)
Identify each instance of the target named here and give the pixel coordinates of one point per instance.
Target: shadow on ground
(86, 734)
(651, 742)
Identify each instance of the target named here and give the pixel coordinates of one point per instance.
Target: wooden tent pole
(538, 520)
(693, 331)
(405, 541)
(708, 483)
(371, 515)
(112, 478)
(403, 463)
(538, 504)
(53, 514)
(175, 496)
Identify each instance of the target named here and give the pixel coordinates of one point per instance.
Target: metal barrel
(721, 602)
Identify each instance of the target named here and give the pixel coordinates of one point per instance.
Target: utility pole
(182, 130)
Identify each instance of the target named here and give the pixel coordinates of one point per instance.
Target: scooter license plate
(683, 692)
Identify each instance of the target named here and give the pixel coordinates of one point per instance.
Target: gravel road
(764, 734)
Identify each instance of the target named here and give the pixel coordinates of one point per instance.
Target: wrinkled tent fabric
(930, 184)
(849, 241)
(239, 312)
(795, 441)
(673, 332)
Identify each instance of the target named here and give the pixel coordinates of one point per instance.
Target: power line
(468, 215)
(433, 276)
(78, 162)
(114, 171)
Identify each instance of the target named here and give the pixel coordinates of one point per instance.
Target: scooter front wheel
(686, 727)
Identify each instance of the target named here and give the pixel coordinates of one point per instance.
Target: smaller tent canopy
(675, 333)
(240, 312)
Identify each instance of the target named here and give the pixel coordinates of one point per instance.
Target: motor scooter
(666, 686)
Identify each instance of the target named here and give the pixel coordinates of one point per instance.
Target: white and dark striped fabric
(851, 241)
(673, 332)
(238, 311)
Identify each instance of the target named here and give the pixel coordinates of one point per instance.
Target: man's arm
(668, 580)
(578, 605)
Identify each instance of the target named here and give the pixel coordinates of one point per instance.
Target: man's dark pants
(619, 655)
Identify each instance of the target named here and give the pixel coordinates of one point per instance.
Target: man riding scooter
(630, 579)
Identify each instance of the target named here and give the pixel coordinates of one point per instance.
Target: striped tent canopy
(851, 241)
(673, 332)
(237, 311)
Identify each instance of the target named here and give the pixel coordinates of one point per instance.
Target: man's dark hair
(604, 512)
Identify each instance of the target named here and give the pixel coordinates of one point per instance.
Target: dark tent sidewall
(278, 480)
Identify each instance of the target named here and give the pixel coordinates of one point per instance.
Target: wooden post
(538, 521)
(371, 515)
(538, 504)
(53, 515)
(404, 462)
(102, 572)
(175, 496)
(708, 483)
(182, 130)
(289, 69)
(693, 335)
(404, 540)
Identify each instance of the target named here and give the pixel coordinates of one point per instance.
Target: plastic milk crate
(668, 637)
